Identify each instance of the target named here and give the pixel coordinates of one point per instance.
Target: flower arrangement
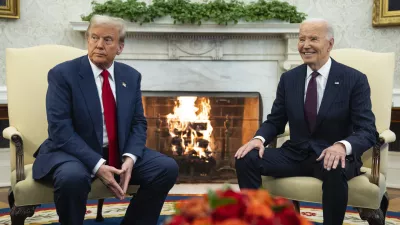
(227, 207)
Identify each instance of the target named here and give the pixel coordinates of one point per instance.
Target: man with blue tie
(97, 129)
(328, 108)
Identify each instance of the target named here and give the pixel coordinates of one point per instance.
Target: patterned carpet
(114, 210)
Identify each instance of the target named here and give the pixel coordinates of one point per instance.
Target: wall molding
(396, 97)
(3, 94)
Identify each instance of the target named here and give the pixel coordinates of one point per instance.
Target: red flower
(287, 216)
(233, 210)
(178, 220)
(261, 221)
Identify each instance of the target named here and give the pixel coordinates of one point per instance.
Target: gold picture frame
(386, 13)
(9, 9)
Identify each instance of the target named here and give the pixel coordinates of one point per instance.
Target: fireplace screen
(201, 131)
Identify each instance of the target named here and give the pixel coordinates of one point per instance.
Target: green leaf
(185, 11)
(215, 201)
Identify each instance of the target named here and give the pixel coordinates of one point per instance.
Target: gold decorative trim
(381, 16)
(10, 10)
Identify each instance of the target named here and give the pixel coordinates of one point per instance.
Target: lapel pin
(336, 82)
(124, 84)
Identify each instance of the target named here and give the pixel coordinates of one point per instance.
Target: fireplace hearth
(201, 130)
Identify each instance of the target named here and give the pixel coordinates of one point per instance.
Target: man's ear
(120, 48)
(331, 42)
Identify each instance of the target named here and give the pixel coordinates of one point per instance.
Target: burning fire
(190, 127)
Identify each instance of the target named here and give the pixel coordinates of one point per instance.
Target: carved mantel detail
(195, 49)
(293, 58)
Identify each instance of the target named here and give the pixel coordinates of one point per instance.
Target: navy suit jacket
(344, 114)
(75, 124)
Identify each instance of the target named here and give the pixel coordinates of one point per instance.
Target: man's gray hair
(329, 32)
(108, 20)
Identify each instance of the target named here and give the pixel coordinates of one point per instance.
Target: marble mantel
(163, 40)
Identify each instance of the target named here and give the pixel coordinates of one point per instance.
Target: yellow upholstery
(379, 68)
(26, 77)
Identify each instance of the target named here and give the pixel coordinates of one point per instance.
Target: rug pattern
(114, 210)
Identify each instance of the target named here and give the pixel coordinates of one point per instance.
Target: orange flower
(202, 221)
(194, 208)
(259, 195)
(257, 209)
(232, 221)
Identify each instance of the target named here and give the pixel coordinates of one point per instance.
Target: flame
(191, 124)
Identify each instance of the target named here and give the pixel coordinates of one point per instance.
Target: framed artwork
(386, 13)
(9, 9)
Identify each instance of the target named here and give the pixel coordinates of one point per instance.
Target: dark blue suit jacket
(345, 113)
(75, 124)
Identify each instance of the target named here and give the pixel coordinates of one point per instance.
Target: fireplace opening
(201, 130)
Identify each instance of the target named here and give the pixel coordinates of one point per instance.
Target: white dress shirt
(321, 84)
(99, 84)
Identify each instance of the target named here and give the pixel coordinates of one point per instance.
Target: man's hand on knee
(253, 144)
(106, 175)
(333, 155)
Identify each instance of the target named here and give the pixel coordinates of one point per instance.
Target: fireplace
(201, 130)
(237, 67)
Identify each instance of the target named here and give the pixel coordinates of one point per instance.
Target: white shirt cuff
(133, 157)
(260, 137)
(347, 146)
(99, 163)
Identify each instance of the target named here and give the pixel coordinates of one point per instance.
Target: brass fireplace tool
(226, 161)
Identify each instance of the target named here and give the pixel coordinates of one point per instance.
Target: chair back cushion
(379, 69)
(26, 78)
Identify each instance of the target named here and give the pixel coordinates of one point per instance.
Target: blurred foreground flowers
(227, 207)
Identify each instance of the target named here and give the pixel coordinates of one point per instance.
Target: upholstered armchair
(26, 72)
(367, 193)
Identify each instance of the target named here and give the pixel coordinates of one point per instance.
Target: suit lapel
(299, 85)
(88, 87)
(124, 94)
(331, 90)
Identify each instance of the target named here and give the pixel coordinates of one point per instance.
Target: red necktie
(310, 105)
(110, 117)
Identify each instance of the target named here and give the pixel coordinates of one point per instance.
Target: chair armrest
(9, 132)
(385, 137)
(12, 134)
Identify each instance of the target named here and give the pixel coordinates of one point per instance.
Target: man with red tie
(97, 129)
(328, 108)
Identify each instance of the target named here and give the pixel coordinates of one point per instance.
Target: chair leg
(18, 214)
(375, 216)
(99, 217)
(385, 204)
(296, 206)
(10, 198)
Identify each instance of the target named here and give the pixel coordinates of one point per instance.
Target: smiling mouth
(308, 53)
